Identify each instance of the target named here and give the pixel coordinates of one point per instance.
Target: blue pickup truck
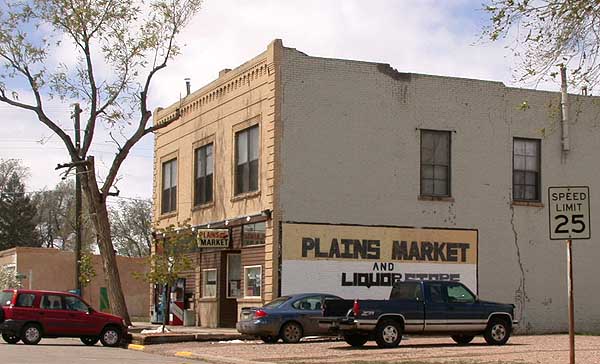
(428, 307)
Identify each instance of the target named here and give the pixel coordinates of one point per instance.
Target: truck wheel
(270, 339)
(462, 339)
(291, 332)
(10, 338)
(31, 334)
(388, 334)
(356, 340)
(497, 332)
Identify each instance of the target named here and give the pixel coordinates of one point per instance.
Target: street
(55, 351)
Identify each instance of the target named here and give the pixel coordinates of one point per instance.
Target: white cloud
(431, 37)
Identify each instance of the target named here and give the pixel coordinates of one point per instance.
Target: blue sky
(432, 37)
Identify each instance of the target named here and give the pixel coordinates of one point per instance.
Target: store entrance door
(230, 286)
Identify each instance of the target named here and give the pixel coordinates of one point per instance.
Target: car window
(25, 300)
(277, 302)
(458, 293)
(75, 304)
(436, 293)
(6, 298)
(51, 302)
(311, 303)
(407, 292)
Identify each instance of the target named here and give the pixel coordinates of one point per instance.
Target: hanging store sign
(213, 238)
(365, 261)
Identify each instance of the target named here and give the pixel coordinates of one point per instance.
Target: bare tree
(120, 45)
(549, 33)
(131, 223)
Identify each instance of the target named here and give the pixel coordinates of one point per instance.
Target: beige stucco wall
(54, 270)
(239, 98)
(350, 154)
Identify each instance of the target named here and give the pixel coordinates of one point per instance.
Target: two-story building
(302, 174)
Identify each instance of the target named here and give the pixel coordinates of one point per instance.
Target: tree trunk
(166, 305)
(99, 212)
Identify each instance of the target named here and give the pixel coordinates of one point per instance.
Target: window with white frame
(209, 283)
(252, 281)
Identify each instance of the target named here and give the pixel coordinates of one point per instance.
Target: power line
(55, 190)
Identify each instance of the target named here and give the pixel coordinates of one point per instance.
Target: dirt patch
(542, 349)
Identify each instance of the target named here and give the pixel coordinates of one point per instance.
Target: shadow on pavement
(417, 346)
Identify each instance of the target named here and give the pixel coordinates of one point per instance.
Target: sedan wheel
(291, 332)
(31, 334)
(110, 336)
(269, 339)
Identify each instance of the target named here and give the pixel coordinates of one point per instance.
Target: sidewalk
(180, 334)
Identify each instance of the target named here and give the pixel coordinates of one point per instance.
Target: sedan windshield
(277, 302)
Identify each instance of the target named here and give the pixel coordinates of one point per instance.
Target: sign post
(569, 219)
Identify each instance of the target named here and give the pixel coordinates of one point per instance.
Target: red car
(29, 316)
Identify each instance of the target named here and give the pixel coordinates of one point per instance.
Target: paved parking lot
(543, 349)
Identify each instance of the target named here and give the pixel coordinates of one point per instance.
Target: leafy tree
(10, 166)
(86, 270)
(119, 48)
(549, 33)
(131, 224)
(8, 278)
(171, 258)
(17, 213)
(56, 218)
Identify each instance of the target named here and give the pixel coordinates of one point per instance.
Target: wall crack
(521, 292)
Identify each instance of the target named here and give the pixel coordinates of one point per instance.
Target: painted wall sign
(365, 261)
(212, 238)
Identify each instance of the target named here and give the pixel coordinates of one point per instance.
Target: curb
(136, 347)
(206, 357)
(140, 339)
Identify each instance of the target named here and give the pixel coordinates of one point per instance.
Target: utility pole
(78, 170)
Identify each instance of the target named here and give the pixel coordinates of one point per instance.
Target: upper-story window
(435, 163)
(169, 186)
(246, 160)
(526, 169)
(203, 183)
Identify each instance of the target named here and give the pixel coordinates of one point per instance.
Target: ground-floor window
(252, 281)
(209, 283)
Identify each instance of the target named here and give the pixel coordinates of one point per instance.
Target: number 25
(575, 220)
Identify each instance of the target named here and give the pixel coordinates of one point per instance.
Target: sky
(420, 36)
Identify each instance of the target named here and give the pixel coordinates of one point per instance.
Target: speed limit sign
(569, 212)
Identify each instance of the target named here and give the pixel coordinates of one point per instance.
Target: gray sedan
(288, 317)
